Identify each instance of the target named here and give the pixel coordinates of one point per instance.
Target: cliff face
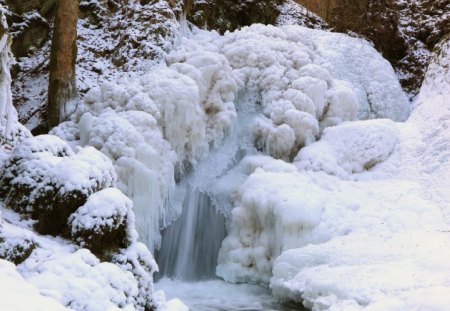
(324, 8)
(223, 15)
(404, 32)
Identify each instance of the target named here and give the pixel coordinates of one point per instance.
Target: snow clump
(350, 147)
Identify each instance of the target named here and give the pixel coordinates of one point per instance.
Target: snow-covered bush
(139, 261)
(44, 178)
(30, 149)
(15, 247)
(104, 223)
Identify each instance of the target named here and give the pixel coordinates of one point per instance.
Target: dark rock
(29, 34)
(22, 6)
(16, 249)
(223, 15)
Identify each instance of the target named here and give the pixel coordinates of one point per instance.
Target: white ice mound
(356, 61)
(272, 214)
(350, 147)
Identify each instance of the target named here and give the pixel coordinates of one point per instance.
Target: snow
(350, 148)
(18, 294)
(79, 280)
(340, 234)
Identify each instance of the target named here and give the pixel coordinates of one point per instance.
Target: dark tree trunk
(62, 91)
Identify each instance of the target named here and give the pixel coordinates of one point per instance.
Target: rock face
(30, 32)
(324, 8)
(223, 15)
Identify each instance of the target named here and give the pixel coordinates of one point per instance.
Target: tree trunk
(62, 91)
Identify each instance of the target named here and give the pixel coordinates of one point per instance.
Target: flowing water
(190, 245)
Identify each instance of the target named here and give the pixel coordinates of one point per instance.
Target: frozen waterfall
(190, 245)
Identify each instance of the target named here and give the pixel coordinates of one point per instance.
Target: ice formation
(11, 131)
(223, 118)
(167, 121)
(360, 221)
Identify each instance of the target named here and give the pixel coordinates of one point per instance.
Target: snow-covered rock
(139, 261)
(104, 222)
(45, 178)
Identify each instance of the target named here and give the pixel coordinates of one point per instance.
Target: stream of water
(190, 245)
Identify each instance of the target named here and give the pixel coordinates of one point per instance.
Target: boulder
(44, 178)
(104, 223)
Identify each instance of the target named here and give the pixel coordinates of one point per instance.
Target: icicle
(7, 112)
